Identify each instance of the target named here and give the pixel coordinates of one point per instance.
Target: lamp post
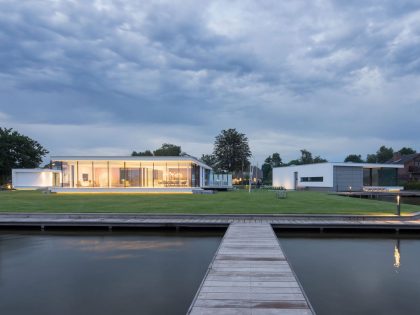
(398, 205)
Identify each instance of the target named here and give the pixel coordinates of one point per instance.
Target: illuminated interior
(132, 173)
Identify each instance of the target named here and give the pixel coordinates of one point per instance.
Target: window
(312, 179)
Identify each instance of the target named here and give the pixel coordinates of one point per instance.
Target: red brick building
(411, 170)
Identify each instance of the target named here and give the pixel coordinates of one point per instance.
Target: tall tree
(306, 157)
(273, 160)
(232, 150)
(276, 160)
(355, 158)
(381, 156)
(18, 151)
(145, 153)
(384, 154)
(168, 149)
(406, 151)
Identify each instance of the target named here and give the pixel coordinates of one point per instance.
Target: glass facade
(380, 177)
(120, 174)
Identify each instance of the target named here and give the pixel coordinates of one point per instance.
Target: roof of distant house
(403, 158)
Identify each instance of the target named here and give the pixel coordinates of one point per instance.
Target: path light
(398, 205)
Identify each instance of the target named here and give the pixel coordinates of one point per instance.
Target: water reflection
(102, 273)
(103, 245)
(397, 256)
(357, 274)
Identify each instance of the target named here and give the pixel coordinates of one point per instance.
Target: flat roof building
(178, 174)
(338, 176)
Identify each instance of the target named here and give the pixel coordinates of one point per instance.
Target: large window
(100, 174)
(119, 174)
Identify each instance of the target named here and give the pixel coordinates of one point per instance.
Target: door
(295, 180)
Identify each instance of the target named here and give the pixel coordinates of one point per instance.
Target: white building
(35, 178)
(177, 174)
(337, 176)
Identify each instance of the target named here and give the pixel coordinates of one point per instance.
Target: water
(357, 274)
(107, 273)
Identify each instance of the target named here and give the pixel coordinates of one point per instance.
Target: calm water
(354, 275)
(112, 273)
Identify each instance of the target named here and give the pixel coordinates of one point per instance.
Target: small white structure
(35, 178)
(337, 176)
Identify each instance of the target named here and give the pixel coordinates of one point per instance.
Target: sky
(109, 77)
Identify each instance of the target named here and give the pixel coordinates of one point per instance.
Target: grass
(235, 202)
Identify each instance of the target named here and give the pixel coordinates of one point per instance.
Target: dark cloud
(331, 76)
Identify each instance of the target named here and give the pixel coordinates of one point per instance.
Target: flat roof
(129, 158)
(349, 164)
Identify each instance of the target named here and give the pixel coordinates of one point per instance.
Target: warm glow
(398, 199)
(397, 257)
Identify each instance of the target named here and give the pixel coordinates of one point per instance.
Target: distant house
(411, 170)
(338, 177)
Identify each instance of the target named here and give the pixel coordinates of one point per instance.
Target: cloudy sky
(108, 77)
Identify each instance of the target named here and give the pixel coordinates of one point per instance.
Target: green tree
(384, 154)
(406, 151)
(273, 160)
(371, 158)
(210, 160)
(355, 158)
(306, 157)
(145, 153)
(168, 149)
(231, 150)
(18, 151)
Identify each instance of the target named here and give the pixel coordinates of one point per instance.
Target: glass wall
(120, 174)
(380, 177)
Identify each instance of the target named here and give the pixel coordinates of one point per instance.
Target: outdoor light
(350, 188)
(398, 205)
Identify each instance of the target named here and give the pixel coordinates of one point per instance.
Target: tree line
(382, 155)
(231, 153)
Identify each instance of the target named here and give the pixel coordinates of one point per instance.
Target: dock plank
(250, 275)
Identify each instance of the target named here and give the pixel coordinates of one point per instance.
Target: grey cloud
(325, 69)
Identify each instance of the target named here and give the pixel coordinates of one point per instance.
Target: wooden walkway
(250, 275)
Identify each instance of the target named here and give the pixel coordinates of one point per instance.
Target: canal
(357, 274)
(102, 273)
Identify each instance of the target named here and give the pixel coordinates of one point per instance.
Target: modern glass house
(338, 177)
(176, 174)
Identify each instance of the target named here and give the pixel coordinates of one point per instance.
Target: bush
(412, 185)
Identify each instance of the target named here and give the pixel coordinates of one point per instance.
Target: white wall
(31, 178)
(284, 176)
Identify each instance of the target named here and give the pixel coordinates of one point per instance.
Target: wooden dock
(250, 275)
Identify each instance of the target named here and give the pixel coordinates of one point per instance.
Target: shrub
(412, 185)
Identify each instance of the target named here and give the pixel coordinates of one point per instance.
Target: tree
(231, 150)
(406, 151)
(371, 158)
(168, 149)
(210, 160)
(306, 157)
(383, 155)
(276, 160)
(267, 168)
(145, 153)
(355, 158)
(319, 159)
(18, 151)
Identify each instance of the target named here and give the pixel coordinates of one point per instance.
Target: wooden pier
(250, 275)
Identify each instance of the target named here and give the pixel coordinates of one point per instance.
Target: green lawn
(258, 202)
